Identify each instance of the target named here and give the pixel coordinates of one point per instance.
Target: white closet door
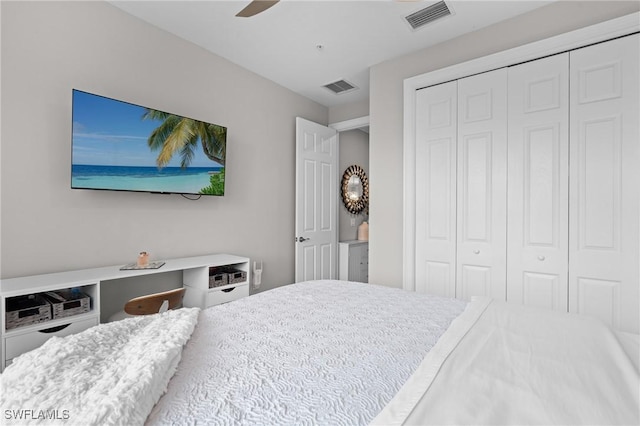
(537, 250)
(605, 182)
(482, 186)
(435, 189)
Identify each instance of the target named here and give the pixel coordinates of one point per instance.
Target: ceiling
(305, 44)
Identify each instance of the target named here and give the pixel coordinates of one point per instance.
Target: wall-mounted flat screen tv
(125, 147)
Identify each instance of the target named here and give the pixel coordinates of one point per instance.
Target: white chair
(150, 304)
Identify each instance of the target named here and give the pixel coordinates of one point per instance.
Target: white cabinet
(354, 261)
(220, 282)
(537, 203)
(32, 333)
(20, 342)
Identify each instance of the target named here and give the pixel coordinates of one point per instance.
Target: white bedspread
(507, 364)
(321, 352)
(109, 374)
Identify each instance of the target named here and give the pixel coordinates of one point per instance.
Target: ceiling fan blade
(255, 7)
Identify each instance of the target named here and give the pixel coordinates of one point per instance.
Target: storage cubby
(47, 307)
(222, 282)
(32, 315)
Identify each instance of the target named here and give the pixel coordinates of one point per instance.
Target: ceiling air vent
(428, 14)
(340, 86)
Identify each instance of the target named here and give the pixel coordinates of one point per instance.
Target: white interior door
(482, 186)
(605, 182)
(537, 244)
(435, 237)
(316, 218)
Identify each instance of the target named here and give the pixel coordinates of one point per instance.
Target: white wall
(354, 149)
(386, 80)
(48, 48)
(344, 112)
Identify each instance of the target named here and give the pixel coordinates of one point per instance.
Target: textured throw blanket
(113, 373)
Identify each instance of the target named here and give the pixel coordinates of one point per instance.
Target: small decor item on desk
(143, 259)
(363, 231)
(142, 263)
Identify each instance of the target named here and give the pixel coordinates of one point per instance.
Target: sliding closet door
(435, 189)
(482, 186)
(537, 244)
(605, 182)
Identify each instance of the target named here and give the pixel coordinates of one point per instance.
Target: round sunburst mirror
(355, 189)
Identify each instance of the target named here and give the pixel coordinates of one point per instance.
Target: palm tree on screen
(180, 135)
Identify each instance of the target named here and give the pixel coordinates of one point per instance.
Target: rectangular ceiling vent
(427, 15)
(340, 86)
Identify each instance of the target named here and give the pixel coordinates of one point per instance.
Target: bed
(331, 353)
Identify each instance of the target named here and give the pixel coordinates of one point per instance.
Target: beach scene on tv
(121, 146)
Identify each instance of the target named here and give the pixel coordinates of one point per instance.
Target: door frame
(354, 123)
(343, 126)
(582, 37)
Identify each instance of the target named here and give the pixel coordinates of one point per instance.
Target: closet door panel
(537, 234)
(542, 290)
(436, 109)
(482, 185)
(604, 252)
(474, 281)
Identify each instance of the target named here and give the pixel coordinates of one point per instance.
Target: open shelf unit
(203, 292)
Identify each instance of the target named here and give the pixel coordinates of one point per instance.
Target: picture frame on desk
(135, 266)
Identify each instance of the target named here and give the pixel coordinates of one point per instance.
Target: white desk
(195, 272)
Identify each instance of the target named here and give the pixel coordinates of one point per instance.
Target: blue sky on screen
(108, 132)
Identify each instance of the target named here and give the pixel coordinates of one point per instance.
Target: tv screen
(125, 147)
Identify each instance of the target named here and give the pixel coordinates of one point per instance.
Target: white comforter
(507, 364)
(321, 352)
(109, 374)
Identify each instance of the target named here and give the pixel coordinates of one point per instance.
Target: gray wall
(354, 149)
(386, 79)
(344, 112)
(48, 48)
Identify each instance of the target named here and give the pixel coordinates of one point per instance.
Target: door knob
(476, 252)
(302, 239)
(541, 258)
